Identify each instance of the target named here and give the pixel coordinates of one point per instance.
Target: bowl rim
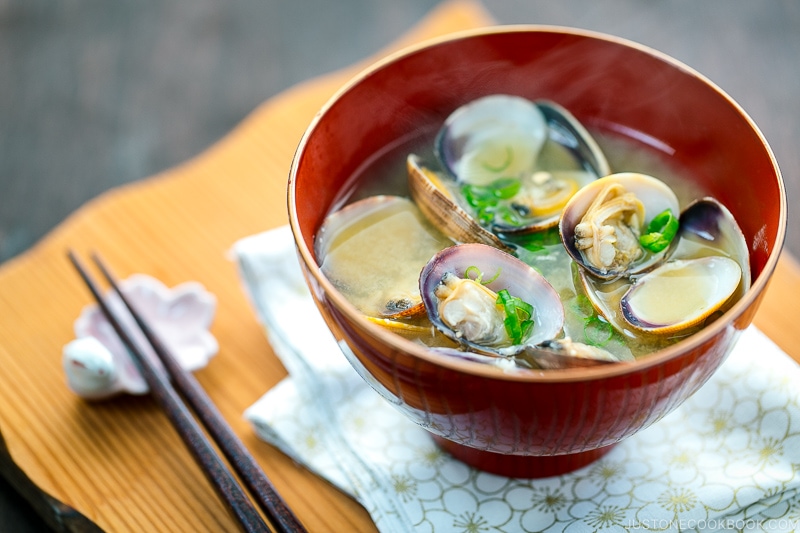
(398, 343)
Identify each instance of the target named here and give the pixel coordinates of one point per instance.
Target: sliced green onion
(505, 188)
(496, 275)
(519, 313)
(596, 331)
(583, 307)
(509, 157)
(478, 196)
(508, 215)
(485, 216)
(540, 240)
(485, 199)
(475, 274)
(660, 232)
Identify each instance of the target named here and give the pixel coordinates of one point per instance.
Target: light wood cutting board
(118, 465)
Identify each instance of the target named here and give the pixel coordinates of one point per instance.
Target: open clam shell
(612, 211)
(373, 250)
(605, 295)
(440, 207)
(499, 271)
(680, 294)
(539, 146)
(490, 138)
(567, 131)
(707, 227)
(561, 354)
(709, 246)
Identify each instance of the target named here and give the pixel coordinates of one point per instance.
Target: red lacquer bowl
(535, 424)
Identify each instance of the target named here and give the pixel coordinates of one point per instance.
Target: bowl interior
(608, 84)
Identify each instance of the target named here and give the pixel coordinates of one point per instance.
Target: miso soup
(386, 174)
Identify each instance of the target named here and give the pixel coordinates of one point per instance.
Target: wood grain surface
(118, 465)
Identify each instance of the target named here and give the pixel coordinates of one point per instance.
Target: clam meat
(603, 224)
(608, 234)
(489, 301)
(702, 271)
(471, 311)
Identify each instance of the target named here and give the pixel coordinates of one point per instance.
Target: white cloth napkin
(727, 459)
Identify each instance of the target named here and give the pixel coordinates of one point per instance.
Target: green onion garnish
(597, 331)
(509, 157)
(519, 316)
(475, 274)
(660, 232)
(508, 215)
(540, 240)
(485, 199)
(505, 188)
(478, 196)
(486, 215)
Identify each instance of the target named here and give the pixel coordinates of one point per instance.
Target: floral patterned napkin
(727, 459)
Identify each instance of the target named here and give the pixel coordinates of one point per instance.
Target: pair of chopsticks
(169, 397)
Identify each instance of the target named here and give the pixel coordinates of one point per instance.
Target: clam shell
(680, 294)
(440, 207)
(520, 279)
(604, 295)
(474, 139)
(655, 195)
(707, 229)
(707, 223)
(564, 353)
(372, 250)
(566, 130)
(502, 136)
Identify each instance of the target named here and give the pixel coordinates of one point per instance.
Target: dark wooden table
(95, 95)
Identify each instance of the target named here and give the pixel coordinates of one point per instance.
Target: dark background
(94, 94)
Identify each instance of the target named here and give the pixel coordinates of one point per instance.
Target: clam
(680, 294)
(549, 355)
(439, 205)
(565, 130)
(602, 224)
(465, 290)
(515, 162)
(373, 250)
(556, 354)
(490, 138)
(605, 295)
(704, 267)
(708, 228)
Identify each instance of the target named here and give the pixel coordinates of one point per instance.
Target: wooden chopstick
(213, 466)
(239, 457)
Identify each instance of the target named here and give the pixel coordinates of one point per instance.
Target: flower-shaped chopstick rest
(98, 365)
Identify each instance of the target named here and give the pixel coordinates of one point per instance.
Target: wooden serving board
(118, 465)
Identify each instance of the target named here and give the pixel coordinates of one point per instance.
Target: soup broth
(386, 174)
